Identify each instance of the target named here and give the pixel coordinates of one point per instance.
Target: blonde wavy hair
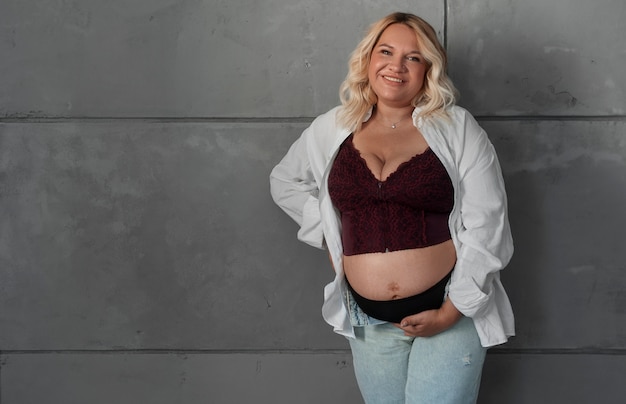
(356, 94)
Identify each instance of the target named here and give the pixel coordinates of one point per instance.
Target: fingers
(412, 327)
(423, 324)
(414, 320)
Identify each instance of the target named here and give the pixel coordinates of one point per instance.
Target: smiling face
(397, 68)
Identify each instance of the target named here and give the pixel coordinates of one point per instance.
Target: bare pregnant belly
(399, 274)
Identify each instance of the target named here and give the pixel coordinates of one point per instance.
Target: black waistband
(395, 310)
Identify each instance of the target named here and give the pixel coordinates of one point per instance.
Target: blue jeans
(392, 368)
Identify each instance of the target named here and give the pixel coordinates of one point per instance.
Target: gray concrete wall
(142, 260)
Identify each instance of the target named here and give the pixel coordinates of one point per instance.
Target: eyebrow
(390, 46)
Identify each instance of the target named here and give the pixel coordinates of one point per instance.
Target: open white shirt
(478, 222)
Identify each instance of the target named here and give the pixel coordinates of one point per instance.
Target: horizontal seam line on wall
(558, 351)
(175, 351)
(293, 119)
(160, 119)
(550, 118)
(497, 351)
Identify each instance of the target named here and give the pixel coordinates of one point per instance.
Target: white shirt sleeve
(294, 188)
(484, 234)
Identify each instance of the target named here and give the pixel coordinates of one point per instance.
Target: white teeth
(393, 79)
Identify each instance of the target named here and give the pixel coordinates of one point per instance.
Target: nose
(397, 64)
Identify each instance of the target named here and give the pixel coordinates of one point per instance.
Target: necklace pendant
(393, 126)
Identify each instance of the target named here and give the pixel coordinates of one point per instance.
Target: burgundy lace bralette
(410, 209)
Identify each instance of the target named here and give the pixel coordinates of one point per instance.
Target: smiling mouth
(393, 79)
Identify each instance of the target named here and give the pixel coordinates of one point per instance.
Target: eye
(414, 59)
(385, 52)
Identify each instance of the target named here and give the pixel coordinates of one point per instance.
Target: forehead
(397, 35)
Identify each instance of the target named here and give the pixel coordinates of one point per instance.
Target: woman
(405, 191)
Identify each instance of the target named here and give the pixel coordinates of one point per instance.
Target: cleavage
(377, 167)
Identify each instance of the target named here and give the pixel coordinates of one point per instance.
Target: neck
(392, 116)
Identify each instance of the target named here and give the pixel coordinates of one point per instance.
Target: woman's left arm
(484, 240)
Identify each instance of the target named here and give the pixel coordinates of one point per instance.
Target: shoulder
(462, 118)
(327, 119)
(458, 132)
(460, 123)
(325, 130)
